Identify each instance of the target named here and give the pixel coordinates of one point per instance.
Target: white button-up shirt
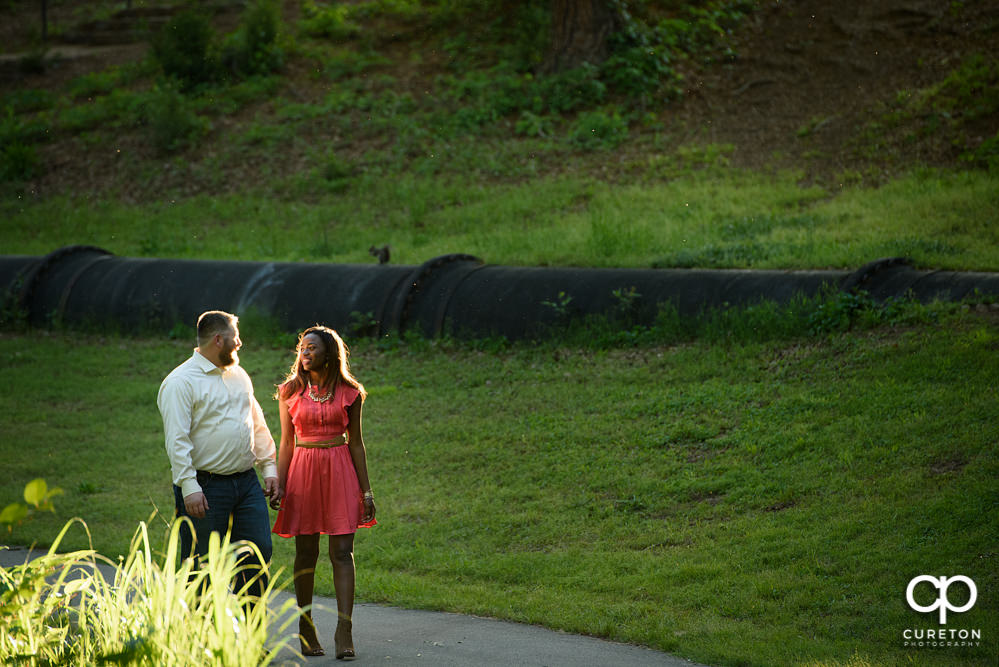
(212, 422)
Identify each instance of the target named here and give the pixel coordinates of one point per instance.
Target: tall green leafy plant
(61, 609)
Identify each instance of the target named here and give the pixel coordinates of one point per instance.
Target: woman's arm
(285, 452)
(359, 455)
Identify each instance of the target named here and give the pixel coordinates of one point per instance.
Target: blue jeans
(237, 497)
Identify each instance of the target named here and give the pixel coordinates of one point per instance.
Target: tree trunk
(579, 33)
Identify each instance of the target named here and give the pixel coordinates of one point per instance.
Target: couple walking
(216, 435)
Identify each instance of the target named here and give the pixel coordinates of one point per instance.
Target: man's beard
(228, 357)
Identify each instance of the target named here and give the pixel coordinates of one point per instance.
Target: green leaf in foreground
(38, 493)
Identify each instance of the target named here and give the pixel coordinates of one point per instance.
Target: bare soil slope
(810, 75)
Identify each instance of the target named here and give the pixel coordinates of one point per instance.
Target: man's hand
(273, 491)
(196, 505)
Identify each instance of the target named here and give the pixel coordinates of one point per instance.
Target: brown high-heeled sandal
(344, 641)
(307, 637)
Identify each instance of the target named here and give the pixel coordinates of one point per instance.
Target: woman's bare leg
(306, 557)
(342, 557)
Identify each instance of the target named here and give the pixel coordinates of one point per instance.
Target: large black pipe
(455, 294)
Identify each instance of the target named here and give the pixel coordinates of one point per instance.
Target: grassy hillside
(426, 126)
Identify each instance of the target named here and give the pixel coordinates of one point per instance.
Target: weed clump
(597, 130)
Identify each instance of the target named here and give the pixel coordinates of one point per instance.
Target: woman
(323, 486)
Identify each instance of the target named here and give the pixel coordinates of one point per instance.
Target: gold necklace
(314, 394)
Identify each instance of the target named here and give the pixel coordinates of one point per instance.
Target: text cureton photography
(940, 637)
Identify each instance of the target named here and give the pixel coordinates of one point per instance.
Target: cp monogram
(942, 602)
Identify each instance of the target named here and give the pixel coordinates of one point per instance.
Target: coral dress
(322, 494)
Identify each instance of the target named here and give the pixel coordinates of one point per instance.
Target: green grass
(740, 503)
(727, 219)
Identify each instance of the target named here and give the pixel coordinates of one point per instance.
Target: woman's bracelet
(368, 495)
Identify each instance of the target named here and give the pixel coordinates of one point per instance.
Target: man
(215, 435)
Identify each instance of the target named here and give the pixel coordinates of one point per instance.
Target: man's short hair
(214, 322)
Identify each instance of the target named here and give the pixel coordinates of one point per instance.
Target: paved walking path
(393, 636)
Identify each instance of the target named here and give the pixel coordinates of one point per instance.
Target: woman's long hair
(336, 370)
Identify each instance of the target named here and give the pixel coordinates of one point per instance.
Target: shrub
(94, 83)
(18, 162)
(533, 125)
(29, 99)
(185, 49)
(595, 130)
(15, 129)
(700, 30)
(841, 311)
(575, 89)
(399, 9)
(987, 154)
(485, 31)
(253, 48)
(491, 94)
(496, 89)
(333, 22)
(171, 119)
(639, 62)
(18, 159)
(639, 71)
(972, 89)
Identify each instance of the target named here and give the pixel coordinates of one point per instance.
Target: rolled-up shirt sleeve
(175, 401)
(263, 443)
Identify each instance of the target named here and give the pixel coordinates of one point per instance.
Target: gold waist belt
(335, 442)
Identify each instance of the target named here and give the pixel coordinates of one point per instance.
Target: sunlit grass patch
(938, 220)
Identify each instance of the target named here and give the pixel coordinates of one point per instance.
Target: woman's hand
(369, 510)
